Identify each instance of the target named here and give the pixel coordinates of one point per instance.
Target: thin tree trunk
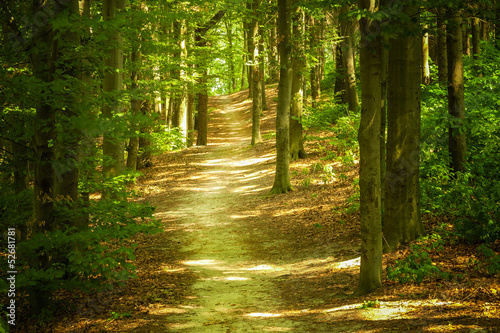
(282, 177)
(256, 75)
(442, 49)
(426, 71)
(476, 32)
(370, 277)
(135, 106)
(113, 143)
(349, 58)
(229, 31)
(250, 49)
(298, 65)
(263, 71)
(456, 107)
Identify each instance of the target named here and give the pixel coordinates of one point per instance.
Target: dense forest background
(92, 90)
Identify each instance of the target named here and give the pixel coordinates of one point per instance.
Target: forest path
(210, 199)
(233, 292)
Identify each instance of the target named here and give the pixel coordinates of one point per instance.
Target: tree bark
(442, 49)
(256, 74)
(201, 42)
(298, 66)
(426, 71)
(402, 221)
(349, 59)
(229, 31)
(370, 277)
(282, 177)
(476, 39)
(456, 107)
(135, 106)
(113, 143)
(315, 68)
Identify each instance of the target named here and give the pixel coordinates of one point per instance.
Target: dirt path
(234, 292)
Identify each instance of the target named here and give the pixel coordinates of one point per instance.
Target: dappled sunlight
(356, 262)
(203, 262)
(263, 315)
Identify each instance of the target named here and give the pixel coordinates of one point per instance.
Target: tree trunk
(315, 68)
(201, 42)
(349, 59)
(383, 122)
(190, 116)
(273, 57)
(282, 177)
(426, 71)
(370, 277)
(402, 221)
(256, 74)
(263, 71)
(456, 106)
(68, 149)
(113, 144)
(250, 49)
(135, 106)
(202, 138)
(476, 39)
(442, 50)
(340, 79)
(298, 65)
(229, 31)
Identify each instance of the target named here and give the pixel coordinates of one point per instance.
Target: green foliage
(165, 139)
(370, 304)
(492, 259)
(91, 247)
(418, 265)
(117, 315)
(473, 196)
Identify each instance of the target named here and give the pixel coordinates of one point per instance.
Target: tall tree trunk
(476, 39)
(340, 79)
(273, 56)
(190, 116)
(69, 151)
(442, 49)
(135, 107)
(315, 68)
(370, 277)
(383, 121)
(402, 221)
(180, 111)
(201, 42)
(263, 78)
(257, 74)
(229, 32)
(250, 49)
(456, 106)
(298, 65)
(347, 29)
(282, 176)
(426, 71)
(113, 143)
(465, 37)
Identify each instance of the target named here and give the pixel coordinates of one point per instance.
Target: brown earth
(232, 259)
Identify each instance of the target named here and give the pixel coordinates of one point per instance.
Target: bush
(418, 265)
(89, 250)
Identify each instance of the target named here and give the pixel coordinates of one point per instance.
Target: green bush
(88, 250)
(418, 265)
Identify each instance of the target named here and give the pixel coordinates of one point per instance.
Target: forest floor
(233, 259)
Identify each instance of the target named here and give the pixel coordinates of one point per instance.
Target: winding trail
(234, 291)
